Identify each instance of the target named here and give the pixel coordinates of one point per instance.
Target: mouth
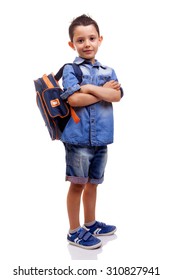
(88, 51)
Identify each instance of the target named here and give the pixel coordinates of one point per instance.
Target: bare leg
(89, 202)
(73, 204)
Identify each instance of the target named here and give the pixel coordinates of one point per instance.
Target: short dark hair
(82, 20)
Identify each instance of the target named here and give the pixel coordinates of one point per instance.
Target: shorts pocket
(73, 161)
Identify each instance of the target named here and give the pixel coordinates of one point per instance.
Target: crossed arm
(90, 94)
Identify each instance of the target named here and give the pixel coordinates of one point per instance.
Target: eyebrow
(91, 35)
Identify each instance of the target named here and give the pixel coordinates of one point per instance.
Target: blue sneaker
(101, 229)
(84, 239)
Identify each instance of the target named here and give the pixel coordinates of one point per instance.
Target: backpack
(55, 111)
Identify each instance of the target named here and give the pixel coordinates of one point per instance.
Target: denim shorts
(85, 163)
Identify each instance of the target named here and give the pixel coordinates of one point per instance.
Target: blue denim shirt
(96, 121)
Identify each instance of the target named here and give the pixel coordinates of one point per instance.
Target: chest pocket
(102, 79)
(86, 79)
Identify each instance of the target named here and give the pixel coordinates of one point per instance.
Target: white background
(136, 194)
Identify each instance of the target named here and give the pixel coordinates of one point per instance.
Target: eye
(80, 41)
(92, 38)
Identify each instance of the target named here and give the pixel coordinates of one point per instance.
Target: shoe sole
(86, 247)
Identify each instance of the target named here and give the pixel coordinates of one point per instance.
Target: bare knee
(77, 187)
(90, 187)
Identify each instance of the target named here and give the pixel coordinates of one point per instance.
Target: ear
(71, 45)
(100, 40)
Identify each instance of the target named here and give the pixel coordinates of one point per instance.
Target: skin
(86, 41)
(74, 195)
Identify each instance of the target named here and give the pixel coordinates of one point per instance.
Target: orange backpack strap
(47, 81)
(74, 115)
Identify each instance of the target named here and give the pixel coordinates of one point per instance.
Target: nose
(87, 43)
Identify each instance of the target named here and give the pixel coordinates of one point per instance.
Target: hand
(84, 89)
(112, 84)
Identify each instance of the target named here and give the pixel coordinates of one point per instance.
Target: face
(86, 42)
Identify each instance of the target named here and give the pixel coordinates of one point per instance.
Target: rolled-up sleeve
(114, 76)
(69, 81)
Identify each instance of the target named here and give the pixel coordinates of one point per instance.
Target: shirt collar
(79, 60)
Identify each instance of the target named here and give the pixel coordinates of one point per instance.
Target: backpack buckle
(55, 102)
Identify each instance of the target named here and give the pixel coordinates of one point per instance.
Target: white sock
(74, 230)
(90, 223)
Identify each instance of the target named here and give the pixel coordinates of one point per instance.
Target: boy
(86, 142)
